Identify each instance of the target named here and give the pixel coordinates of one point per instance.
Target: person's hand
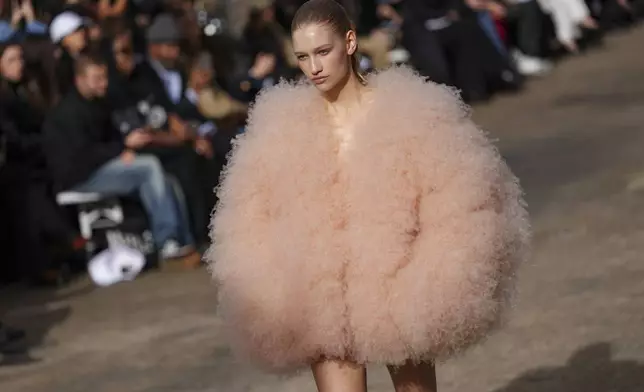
(142, 20)
(264, 65)
(180, 129)
(128, 156)
(386, 11)
(138, 138)
(497, 10)
(16, 13)
(204, 148)
(476, 4)
(28, 11)
(624, 4)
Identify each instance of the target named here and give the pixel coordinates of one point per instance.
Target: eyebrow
(321, 47)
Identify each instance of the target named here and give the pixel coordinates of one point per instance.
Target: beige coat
(404, 248)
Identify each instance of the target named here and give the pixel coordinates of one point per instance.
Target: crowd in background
(142, 98)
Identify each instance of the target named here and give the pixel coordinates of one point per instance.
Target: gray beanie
(163, 29)
(204, 61)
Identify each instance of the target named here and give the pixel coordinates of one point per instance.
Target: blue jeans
(487, 24)
(145, 176)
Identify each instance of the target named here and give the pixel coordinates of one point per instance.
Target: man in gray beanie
(163, 38)
(174, 141)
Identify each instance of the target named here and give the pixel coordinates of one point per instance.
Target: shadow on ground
(33, 311)
(591, 369)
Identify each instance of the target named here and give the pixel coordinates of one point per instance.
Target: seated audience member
(263, 35)
(33, 214)
(13, 15)
(158, 86)
(373, 39)
(441, 47)
(213, 142)
(200, 77)
(493, 58)
(570, 18)
(245, 85)
(160, 75)
(86, 154)
(67, 31)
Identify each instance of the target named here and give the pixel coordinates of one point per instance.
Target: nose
(316, 66)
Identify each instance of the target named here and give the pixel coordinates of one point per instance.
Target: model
(362, 220)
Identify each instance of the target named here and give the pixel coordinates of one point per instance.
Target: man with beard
(161, 85)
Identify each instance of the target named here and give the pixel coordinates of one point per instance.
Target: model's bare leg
(412, 377)
(339, 376)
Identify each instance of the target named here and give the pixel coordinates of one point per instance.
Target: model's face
(323, 55)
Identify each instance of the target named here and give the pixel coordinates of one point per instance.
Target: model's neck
(348, 97)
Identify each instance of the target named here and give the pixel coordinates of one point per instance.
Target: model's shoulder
(283, 99)
(402, 87)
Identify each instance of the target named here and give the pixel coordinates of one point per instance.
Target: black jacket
(419, 11)
(64, 73)
(78, 139)
(145, 82)
(190, 112)
(22, 127)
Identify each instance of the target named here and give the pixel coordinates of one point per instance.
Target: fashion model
(362, 220)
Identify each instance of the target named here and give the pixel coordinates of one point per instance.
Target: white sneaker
(172, 250)
(531, 66)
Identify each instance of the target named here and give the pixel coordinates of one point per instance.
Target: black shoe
(10, 335)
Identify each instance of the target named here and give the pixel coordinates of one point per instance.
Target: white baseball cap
(116, 264)
(63, 25)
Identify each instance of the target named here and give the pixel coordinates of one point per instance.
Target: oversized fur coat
(405, 248)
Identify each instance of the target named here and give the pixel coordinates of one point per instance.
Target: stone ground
(575, 139)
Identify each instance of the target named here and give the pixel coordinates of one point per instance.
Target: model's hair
(332, 14)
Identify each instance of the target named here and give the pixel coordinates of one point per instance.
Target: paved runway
(576, 140)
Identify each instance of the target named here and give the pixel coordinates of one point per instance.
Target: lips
(319, 79)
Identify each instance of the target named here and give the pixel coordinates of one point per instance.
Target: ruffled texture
(406, 248)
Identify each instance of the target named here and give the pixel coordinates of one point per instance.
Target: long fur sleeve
(472, 233)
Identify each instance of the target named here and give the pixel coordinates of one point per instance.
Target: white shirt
(171, 80)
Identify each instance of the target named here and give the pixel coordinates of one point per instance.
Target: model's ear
(352, 42)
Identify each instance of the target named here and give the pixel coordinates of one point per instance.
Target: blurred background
(557, 83)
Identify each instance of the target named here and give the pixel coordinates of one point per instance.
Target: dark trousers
(499, 71)
(32, 220)
(614, 16)
(446, 56)
(527, 26)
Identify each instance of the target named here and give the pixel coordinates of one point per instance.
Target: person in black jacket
(160, 83)
(35, 219)
(87, 154)
(213, 143)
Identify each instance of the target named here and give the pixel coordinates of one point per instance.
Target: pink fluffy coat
(405, 248)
